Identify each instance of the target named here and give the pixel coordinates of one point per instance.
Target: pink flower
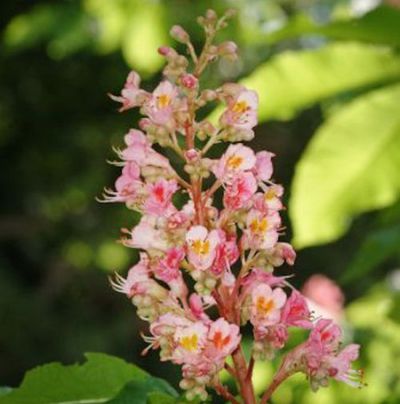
(167, 268)
(269, 200)
(159, 197)
(137, 280)
(266, 305)
(326, 294)
(242, 111)
(197, 308)
(131, 94)
(272, 337)
(178, 220)
(128, 185)
(263, 168)
(318, 357)
(139, 150)
(261, 231)
(227, 254)
(296, 312)
(239, 191)
(167, 324)
(283, 252)
(236, 159)
(223, 339)
(325, 336)
(201, 246)
(160, 107)
(340, 366)
(258, 276)
(189, 342)
(147, 236)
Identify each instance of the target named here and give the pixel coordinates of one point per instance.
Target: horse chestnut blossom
(209, 235)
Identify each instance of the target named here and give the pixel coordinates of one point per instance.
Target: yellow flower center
(163, 101)
(240, 107)
(201, 247)
(264, 306)
(259, 226)
(234, 161)
(190, 342)
(270, 194)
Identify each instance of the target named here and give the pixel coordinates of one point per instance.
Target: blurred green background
(328, 73)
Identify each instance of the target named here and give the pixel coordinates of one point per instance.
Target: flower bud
(228, 49)
(189, 81)
(179, 34)
(167, 51)
(212, 52)
(211, 15)
(192, 156)
(208, 95)
(231, 12)
(145, 124)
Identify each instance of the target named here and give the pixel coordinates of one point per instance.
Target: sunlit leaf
(110, 17)
(380, 25)
(350, 166)
(63, 27)
(98, 380)
(295, 80)
(145, 32)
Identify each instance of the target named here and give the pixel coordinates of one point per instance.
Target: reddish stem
(225, 393)
(250, 370)
(246, 388)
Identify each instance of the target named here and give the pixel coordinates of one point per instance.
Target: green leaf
(63, 27)
(293, 81)
(5, 390)
(376, 249)
(380, 25)
(161, 398)
(140, 391)
(350, 166)
(144, 33)
(98, 380)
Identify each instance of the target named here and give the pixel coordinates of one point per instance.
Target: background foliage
(328, 74)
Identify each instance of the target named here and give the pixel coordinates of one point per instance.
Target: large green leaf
(380, 25)
(5, 390)
(350, 166)
(98, 380)
(295, 80)
(142, 391)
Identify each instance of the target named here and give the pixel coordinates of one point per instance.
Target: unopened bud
(179, 34)
(210, 283)
(189, 81)
(228, 49)
(144, 124)
(166, 51)
(208, 95)
(200, 20)
(211, 15)
(231, 12)
(192, 155)
(207, 127)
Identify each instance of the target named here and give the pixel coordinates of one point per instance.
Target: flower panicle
(230, 252)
